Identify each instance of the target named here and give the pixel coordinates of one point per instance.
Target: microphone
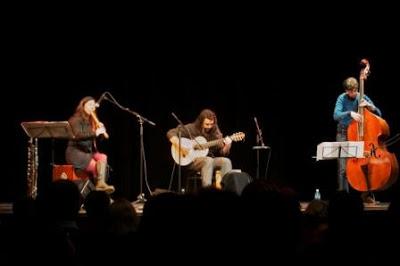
(177, 119)
(259, 133)
(102, 97)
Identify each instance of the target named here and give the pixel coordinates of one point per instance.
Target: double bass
(379, 168)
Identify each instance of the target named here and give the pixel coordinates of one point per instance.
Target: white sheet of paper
(340, 149)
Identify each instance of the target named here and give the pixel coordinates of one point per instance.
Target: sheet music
(340, 149)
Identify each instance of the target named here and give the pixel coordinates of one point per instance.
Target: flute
(98, 124)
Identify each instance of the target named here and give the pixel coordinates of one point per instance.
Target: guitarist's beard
(206, 132)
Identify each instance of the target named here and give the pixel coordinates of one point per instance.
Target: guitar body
(198, 147)
(193, 153)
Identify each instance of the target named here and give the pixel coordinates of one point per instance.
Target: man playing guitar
(202, 146)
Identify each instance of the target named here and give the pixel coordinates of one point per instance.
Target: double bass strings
(392, 140)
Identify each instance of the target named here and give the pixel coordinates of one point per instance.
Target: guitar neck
(209, 144)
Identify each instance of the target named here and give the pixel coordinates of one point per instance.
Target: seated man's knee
(206, 162)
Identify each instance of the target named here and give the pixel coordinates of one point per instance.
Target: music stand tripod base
(141, 198)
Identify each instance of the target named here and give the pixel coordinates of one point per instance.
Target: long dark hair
(209, 114)
(80, 108)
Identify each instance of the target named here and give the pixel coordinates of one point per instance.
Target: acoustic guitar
(198, 147)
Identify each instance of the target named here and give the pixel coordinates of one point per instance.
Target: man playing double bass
(345, 111)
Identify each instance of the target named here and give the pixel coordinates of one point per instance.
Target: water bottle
(317, 194)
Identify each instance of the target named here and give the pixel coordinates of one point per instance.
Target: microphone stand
(143, 170)
(179, 150)
(260, 146)
(179, 161)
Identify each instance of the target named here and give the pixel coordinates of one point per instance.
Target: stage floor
(6, 208)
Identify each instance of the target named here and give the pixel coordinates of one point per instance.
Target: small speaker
(235, 181)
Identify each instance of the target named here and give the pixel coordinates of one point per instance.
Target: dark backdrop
(287, 74)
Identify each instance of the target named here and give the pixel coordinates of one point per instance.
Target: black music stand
(48, 129)
(38, 130)
(258, 149)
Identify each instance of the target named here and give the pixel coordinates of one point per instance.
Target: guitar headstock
(239, 136)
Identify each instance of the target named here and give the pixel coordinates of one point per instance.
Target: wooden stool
(193, 183)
